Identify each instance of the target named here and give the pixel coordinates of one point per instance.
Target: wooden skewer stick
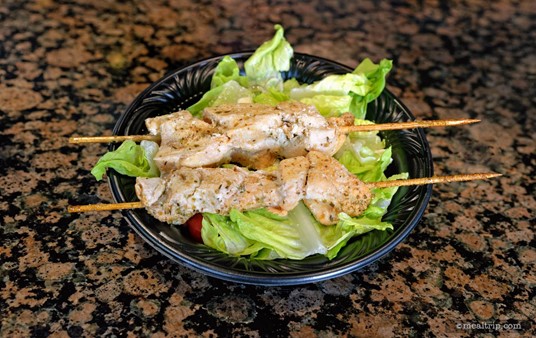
(408, 125)
(432, 180)
(383, 184)
(348, 129)
(105, 207)
(113, 138)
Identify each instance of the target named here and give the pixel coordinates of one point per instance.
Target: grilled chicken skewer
(325, 186)
(345, 129)
(320, 181)
(253, 135)
(381, 184)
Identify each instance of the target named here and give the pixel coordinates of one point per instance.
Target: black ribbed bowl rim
(239, 271)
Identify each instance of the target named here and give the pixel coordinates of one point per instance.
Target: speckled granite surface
(70, 67)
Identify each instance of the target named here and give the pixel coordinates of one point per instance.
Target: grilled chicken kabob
(251, 135)
(254, 136)
(325, 186)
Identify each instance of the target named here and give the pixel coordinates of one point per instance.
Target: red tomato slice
(195, 223)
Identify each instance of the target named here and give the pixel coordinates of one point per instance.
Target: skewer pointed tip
(492, 175)
(463, 121)
(408, 125)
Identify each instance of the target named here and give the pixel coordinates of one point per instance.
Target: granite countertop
(71, 67)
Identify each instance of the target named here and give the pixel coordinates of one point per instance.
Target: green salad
(258, 233)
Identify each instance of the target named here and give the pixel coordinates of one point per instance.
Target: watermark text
(488, 326)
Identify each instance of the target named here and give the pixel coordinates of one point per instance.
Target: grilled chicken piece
(230, 116)
(292, 180)
(253, 135)
(188, 141)
(332, 189)
(188, 191)
(289, 129)
(292, 177)
(324, 185)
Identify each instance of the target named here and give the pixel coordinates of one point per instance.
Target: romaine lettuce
(263, 235)
(337, 94)
(263, 83)
(222, 234)
(282, 235)
(227, 70)
(365, 155)
(227, 86)
(129, 159)
(264, 67)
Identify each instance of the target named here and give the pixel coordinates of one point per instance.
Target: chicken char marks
(324, 185)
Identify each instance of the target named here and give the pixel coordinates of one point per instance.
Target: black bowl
(183, 87)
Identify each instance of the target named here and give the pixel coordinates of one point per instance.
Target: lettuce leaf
(376, 75)
(264, 235)
(329, 105)
(349, 227)
(262, 82)
(364, 154)
(220, 233)
(206, 101)
(264, 67)
(227, 70)
(227, 86)
(337, 94)
(286, 237)
(129, 159)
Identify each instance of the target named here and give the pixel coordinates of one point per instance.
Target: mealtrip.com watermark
(488, 326)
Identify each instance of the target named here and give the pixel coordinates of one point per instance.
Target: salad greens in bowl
(256, 246)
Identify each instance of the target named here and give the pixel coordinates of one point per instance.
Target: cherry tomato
(194, 225)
